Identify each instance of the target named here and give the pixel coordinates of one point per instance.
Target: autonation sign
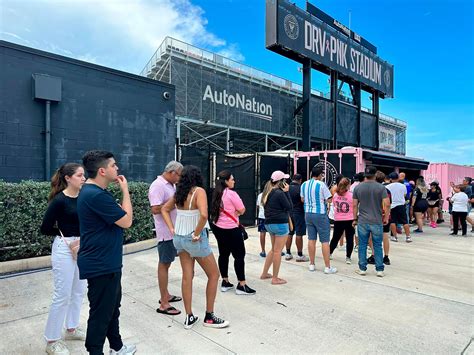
(239, 101)
(296, 34)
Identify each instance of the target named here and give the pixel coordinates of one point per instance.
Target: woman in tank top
(191, 241)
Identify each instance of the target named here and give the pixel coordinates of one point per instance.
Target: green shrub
(22, 206)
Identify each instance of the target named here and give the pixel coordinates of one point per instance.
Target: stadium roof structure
(159, 67)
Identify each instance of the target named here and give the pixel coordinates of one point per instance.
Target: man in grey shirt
(369, 200)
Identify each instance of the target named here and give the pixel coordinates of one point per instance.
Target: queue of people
(88, 223)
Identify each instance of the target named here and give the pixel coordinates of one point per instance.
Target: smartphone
(282, 184)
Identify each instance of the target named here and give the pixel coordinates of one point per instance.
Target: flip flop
(168, 311)
(173, 299)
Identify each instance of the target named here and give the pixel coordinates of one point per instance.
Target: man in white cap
(315, 196)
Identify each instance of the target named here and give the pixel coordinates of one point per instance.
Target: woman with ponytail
(226, 207)
(61, 221)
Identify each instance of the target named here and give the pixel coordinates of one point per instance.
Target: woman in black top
(278, 206)
(433, 198)
(61, 221)
(420, 203)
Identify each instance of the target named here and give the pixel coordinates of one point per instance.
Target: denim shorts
(199, 249)
(166, 251)
(318, 223)
(278, 229)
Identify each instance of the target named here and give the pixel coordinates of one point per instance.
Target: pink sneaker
(434, 225)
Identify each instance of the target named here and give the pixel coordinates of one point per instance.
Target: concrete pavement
(423, 305)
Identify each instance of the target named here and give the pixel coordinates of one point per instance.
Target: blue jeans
(365, 230)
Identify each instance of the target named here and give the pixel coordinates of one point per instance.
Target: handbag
(73, 246)
(245, 236)
(432, 202)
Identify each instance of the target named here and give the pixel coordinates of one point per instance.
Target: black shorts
(398, 215)
(261, 225)
(299, 224)
(420, 206)
(386, 228)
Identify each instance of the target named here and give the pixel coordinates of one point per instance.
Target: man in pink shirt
(161, 190)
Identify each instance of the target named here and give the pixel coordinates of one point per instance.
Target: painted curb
(42, 262)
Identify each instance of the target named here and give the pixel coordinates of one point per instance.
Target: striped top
(315, 193)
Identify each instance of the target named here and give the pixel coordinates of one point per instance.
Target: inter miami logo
(386, 78)
(292, 28)
(330, 172)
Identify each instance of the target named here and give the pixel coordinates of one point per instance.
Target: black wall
(101, 108)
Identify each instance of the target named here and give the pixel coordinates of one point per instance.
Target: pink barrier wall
(445, 173)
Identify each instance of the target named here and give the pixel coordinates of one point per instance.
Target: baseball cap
(279, 175)
(393, 176)
(370, 171)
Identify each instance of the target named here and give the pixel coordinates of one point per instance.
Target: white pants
(68, 291)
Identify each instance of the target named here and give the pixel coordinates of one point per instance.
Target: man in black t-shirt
(101, 222)
(297, 217)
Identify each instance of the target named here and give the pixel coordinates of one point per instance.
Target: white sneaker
(312, 267)
(126, 349)
(302, 258)
(348, 261)
(57, 348)
(288, 256)
(330, 256)
(394, 239)
(361, 272)
(77, 334)
(380, 274)
(330, 270)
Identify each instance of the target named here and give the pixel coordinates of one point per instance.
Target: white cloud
(452, 151)
(120, 34)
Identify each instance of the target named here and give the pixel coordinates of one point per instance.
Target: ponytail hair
(343, 186)
(58, 181)
(266, 191)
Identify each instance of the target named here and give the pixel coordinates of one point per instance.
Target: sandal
(170, 311)
(173, 299)
(265, 277)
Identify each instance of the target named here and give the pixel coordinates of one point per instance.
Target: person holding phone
(278, 206)
(61, 221)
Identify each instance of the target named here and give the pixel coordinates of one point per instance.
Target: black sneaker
(371, 260)
(190, 320)
(244, 290)
(386, 260)
(214, 322)
(226, 286)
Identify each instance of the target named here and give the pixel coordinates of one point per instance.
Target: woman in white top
(192, 242)
(460, 208)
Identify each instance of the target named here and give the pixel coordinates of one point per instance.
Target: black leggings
(459, 216)
(339, 228)
(230, 241)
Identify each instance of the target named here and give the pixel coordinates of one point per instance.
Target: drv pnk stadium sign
(298, 35)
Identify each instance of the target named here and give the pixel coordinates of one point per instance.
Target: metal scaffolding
(203, 126)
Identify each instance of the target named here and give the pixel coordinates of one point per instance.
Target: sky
(429, 42)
